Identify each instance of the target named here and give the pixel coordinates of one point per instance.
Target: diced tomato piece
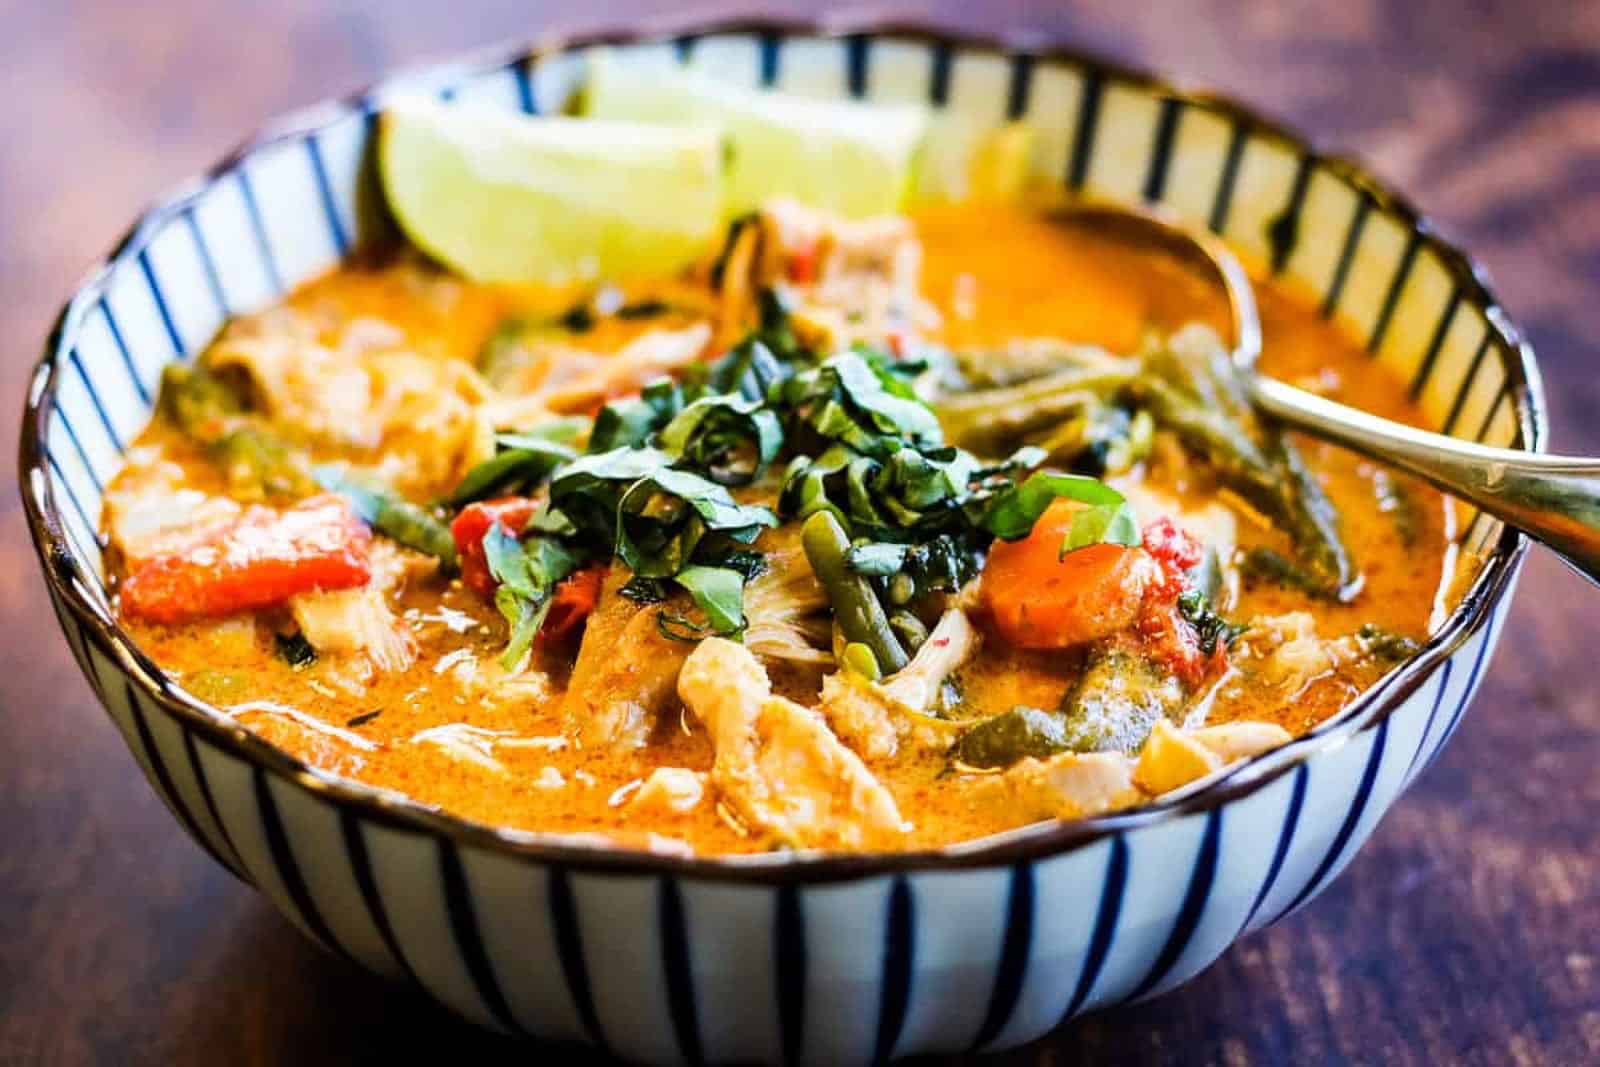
(574, 600)
(1175, 550)
(512, 512)
(1170, 641)
(1038, 598)
(257, 561)
(803, 265)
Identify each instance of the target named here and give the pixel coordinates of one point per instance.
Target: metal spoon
(1553, 499)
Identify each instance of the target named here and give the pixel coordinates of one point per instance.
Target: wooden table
(1468, 930)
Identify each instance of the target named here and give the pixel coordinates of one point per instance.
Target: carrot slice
(512, 512)
(259, 560)
(1039, 598)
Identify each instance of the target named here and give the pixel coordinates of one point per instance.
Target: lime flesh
(505, 197)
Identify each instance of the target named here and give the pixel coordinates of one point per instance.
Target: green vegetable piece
(527, 572)
(731, 440)
(253, 458)
(1013, 513)
(217, 687)
(393, 515)
(1263, 564)
(1395, 499)
(719, 592)
(858, 659)
(295, 650)
(1004, 739)
(855, 607)
(192, 397)
(1386, 646)
(1210, 628)
(525, 462)
(1116, 701)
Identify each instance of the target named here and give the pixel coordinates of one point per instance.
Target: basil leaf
(732, 440)
(528, 573)
(1013, 512)
(1098, 524)
(520, 467)
(719, 592)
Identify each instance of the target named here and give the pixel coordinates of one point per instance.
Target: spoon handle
(1553, 499)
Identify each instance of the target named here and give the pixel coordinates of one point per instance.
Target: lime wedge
(503, 197)
(854, 158)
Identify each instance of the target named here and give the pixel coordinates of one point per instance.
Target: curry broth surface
(994, 274)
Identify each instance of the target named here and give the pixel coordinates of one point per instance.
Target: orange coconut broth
(993, 274)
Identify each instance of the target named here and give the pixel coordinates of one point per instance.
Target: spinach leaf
(295, 650)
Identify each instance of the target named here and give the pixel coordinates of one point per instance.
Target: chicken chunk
(669, 791)
(625, 671)
(777, 763)
(1070, 785)
(150, 513)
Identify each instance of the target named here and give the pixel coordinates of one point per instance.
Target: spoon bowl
(1553, 499)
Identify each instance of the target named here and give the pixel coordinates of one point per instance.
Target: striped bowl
(772, 957)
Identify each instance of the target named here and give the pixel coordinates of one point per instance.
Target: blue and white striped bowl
(772, 957)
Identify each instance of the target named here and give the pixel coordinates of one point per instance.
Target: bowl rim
(1033, 842)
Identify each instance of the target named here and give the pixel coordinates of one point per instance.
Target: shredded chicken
(785, 608)
(877, 718)
(776, 762)
(1070, 785)
(855, 279)
(1231, 741)
(669, 791)
(359, 622)
(578, 381)
(625, 671)
(1284, 653)
(361, 389)
(148, 512)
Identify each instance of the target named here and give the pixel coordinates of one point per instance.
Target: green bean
(1262, 564)
(858, 658)
(1313, 525)
(988, 419)
(254, 458)
(393, 516)
(855, 607)
(195, 399)
(1395, 500)
(909, 629)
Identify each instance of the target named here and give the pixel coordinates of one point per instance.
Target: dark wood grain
(1467, 931)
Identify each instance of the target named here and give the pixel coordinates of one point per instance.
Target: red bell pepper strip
(512, 512)
(259, 560)
(574, 601)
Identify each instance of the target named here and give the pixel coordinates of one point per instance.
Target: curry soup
(880, 534)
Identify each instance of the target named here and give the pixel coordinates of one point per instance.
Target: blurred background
(1467, 931)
